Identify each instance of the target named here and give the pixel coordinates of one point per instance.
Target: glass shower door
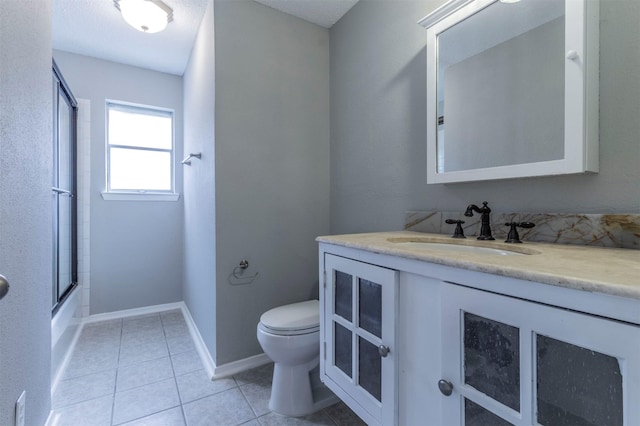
(63, 192)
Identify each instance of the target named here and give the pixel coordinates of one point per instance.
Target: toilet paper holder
(237, 278)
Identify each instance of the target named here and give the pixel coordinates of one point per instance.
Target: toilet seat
(292, 320)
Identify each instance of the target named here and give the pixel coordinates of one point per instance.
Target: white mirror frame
(581, 94)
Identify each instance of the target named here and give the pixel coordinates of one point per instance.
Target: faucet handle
(526, 225)
(513, 236)
(458, 233)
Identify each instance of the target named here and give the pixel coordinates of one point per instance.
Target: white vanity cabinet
(357, 329)
(510, 361)
(505, 350)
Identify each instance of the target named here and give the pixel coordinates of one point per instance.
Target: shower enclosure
(65, 264)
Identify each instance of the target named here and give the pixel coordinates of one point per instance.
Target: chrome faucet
(485, 219)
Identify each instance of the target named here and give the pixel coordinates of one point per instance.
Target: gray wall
(25, 207)
(199, 184)
(136, 246)
(272, 164)
(378, 130)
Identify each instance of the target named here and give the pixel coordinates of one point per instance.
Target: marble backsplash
(602, 230)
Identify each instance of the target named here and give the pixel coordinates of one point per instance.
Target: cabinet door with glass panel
(358, 333)
(510, 361)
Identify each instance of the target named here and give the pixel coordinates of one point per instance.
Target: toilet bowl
(290, 336)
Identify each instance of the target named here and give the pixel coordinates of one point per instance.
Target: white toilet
(290, 336)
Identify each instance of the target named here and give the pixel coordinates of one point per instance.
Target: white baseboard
(219, 371)
(133, 312)
(240, 365)
(201, 347)
(53, 419)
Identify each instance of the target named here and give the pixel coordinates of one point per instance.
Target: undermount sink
(460, 247)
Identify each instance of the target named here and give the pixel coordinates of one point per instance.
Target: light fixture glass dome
(149, 16)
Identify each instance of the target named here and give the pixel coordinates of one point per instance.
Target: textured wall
(136, 247)
(25, 207)
(378, 130)
(272, 164)
(199, 184)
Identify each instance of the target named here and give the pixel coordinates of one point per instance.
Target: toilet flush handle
(383, 351)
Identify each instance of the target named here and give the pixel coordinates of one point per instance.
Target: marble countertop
(611, 271)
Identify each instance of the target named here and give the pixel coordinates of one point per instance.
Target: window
(139, 149)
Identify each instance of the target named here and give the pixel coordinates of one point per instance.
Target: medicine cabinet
(512, 89)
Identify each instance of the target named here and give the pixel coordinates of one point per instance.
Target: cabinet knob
(383, 351)
(572, 55)
(4, 286)
(445, 387)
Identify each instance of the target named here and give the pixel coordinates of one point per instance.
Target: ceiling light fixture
(148, 16)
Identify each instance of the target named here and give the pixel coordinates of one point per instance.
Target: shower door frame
(61, 291)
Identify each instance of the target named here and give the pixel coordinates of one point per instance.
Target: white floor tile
(83, 388)
(145, 400)
(142, 336)
(172, 417)
(100, 358)
(180, 344)
(153, 317)
(177, 329)
(95, 412)
(133, 353)
(89, 339)
(101, 331)
(140, 325)
(103, 325)
(144, 373)
(172, 317)
(258, 394)
(264, 372)
(343, 416)
(273, 419)
(225, 408)
(198, 384)
(186, 362)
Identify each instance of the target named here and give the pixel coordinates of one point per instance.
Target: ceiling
(321, 12)
(95, 28)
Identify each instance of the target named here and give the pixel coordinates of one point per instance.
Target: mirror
(507, 90)
(484, 87)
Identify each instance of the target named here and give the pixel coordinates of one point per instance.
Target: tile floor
(145, 371)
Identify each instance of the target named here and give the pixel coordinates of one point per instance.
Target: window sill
(132, 196)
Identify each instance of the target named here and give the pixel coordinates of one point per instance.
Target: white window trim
(140, 195)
